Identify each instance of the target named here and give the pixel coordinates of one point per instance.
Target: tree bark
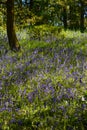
(65, 17)
(13, 42)
(82, 16)
(31, 4)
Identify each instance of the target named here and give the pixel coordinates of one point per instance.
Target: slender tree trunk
(13, 42)
(20, 3)
(31, 4)
(65, 17)
(70, 17)
(82, 16)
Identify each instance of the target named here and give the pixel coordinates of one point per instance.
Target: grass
(44, 86)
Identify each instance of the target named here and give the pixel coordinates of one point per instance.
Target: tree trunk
(19, 3)
(13, 42)
(65, 17)
(31, 4)
(82, 16)
(70, 17)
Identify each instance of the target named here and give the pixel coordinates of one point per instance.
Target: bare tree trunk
(20, 3)
(13, 42)
(31, 4)
(82, 16)
(65, 17)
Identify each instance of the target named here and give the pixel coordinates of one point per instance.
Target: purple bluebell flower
(13, 120)
(31, 96)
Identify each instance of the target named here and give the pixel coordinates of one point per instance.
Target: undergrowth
(44, 86)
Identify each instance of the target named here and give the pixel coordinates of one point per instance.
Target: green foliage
(43, 32)
(1, 19)
(67, 13)
(45, 83)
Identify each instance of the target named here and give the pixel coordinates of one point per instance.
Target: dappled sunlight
(43, 65)
(44, 83)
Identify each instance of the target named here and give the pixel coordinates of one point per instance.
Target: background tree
(13, 42)
(82, 15)
(69, 14)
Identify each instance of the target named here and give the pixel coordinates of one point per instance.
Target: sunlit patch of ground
(44, 86)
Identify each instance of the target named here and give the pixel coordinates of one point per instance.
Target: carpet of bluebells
(44, 86)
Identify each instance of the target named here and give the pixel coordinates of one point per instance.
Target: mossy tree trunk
(13, 42)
